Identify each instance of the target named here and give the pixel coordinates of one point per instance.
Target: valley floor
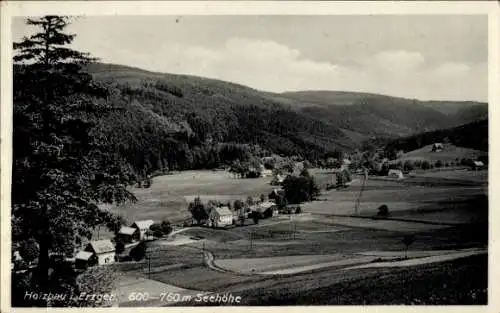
(329, 256)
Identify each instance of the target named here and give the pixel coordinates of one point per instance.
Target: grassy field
(324, 236)
(450, 153)
(453, 196)
(459, 282)
(169, 195)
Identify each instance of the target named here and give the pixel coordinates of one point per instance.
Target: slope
(181, 121)
(378, 115)
(465, 141)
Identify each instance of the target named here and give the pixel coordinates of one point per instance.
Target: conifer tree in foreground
(62, 167)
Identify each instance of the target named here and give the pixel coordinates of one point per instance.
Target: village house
(395, 174)
(275, 194)
(477, 165)
(97, 252)
(437, 147)
(220, 217)
(84, 259)
(128, 234)
(268, 208)
(265, 172)
(345, 164)
(142, 227)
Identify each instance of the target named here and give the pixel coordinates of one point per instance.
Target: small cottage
(103, 250)
(268, 208)
(84, 259)
(437, 147)
(477, 165)
(265, 172)
(220, 217)
(275, 194)
(142, 227)
(395, 174)
(128, 234)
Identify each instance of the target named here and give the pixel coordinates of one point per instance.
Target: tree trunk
(43, 267)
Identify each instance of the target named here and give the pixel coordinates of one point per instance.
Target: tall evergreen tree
(62, 167)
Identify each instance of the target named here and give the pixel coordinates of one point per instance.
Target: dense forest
(177, 122)
(473, 135)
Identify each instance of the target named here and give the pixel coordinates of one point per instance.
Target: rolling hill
(449, 153)
(379, 115)
(167, 118)
(469, 141)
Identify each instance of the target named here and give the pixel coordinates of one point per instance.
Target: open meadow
(169, 195)
(328, 246)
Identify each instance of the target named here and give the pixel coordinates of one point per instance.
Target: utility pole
(148, 257)
(356, 205)
(251, 240)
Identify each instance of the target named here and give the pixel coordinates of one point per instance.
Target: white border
(27, 8)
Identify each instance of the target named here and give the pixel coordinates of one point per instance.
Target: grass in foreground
(459, 282)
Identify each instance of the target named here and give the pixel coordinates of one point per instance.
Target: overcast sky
(423, 57)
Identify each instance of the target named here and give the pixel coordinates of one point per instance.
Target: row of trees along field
(63, 166)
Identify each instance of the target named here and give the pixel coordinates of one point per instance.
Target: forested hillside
(181, 122)
(378, 115)
(473, 135)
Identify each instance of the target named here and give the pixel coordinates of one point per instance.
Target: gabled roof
(223, 211)
(478, 163)
(267, 204)
(102, 246)
(144, 224)
(125, 230)
(83, 255)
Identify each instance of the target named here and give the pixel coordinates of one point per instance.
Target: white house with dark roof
(104, 251)
(142, 226)
(220, 217)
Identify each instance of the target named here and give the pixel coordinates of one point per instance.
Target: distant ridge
(308, 123)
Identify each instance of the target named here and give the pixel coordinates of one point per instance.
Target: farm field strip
(307, 268)
(129, 285)
(422, 260)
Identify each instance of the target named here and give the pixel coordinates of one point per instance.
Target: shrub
(119, 246)
(407, 241)
(298, 210)
(156, 230)
(439, 163)
(255, 217)
(426, 165)
(300, 189)
(409, 165)
(198, 211)
(139, 252)
(166, 227)
(383, 211)
(29, 250)
(250, 201)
